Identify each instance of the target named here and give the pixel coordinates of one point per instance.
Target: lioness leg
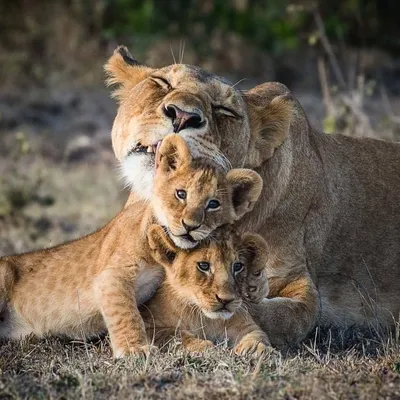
(290, 315)
(114, 291)
(7, 277)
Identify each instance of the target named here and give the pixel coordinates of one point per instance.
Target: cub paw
(253, 344)
(142, 351)
(198, 345)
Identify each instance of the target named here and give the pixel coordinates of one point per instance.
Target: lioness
(329, 210)
(81, 287)
(199, 301)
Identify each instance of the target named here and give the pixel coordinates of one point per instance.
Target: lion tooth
(149, 149)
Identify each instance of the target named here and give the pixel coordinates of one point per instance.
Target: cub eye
(213, 205)
(203, 266)
(180, 194)
(257, 273)
(237, 267)
(161, 82)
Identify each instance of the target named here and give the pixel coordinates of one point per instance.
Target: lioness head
(205, 277)
(192, 197)
(217, 120)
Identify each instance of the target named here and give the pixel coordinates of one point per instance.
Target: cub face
(206, 277)
(192, 197)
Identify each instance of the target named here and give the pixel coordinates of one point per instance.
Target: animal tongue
(157, 147)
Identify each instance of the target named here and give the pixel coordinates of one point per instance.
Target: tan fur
(95, 283)
(329, 209)
(190, 303)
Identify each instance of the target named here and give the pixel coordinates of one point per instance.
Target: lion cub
(199, 300)
(82, 287)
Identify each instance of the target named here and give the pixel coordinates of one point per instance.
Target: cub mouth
(182, 241)
(218, 314)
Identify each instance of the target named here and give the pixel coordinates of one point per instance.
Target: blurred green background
(58, 176)
(44, 42)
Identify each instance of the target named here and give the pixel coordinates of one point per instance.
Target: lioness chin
(329, 210)
(95, 283)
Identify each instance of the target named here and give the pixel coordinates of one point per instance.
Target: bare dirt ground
(59, 181)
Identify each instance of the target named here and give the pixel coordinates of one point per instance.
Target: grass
(321, 369)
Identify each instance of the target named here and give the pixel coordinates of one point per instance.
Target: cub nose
(182, 119)
(189, 227)
(225, 300)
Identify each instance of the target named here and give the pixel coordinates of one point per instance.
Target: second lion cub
(95, 283)
(199, 300)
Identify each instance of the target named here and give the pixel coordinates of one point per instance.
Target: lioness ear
(254, 249)
(246, 187)
(173, 153)
(271, 107)
(163, 250)
(123, 70)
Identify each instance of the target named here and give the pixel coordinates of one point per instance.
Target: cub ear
(246, 186)
(162, 248)
(254, 249)
(173, 153)
(124, 71)
(271, 108)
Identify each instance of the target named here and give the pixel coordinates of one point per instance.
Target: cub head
(192, 197)
(253, 284)
(218, 121)
(205, 277)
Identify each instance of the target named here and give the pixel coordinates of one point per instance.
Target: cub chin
(95, 283)
(200, 300)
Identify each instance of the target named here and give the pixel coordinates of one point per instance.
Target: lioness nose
(225, 300)
(182, 119)
(189, 227)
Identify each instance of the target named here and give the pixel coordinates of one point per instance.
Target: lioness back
(364, 223)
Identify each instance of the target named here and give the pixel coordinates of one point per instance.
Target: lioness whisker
(172, 52)
(239, 81)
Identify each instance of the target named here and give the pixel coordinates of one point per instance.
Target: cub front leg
(190, 342)
(291, 313)
(246, 335)
(114, 291)
(193, 343)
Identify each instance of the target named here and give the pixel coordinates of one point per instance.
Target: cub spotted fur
(199, 300)
(93, 283)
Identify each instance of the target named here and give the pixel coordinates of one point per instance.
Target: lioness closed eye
(96, 282)
(199, 299)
